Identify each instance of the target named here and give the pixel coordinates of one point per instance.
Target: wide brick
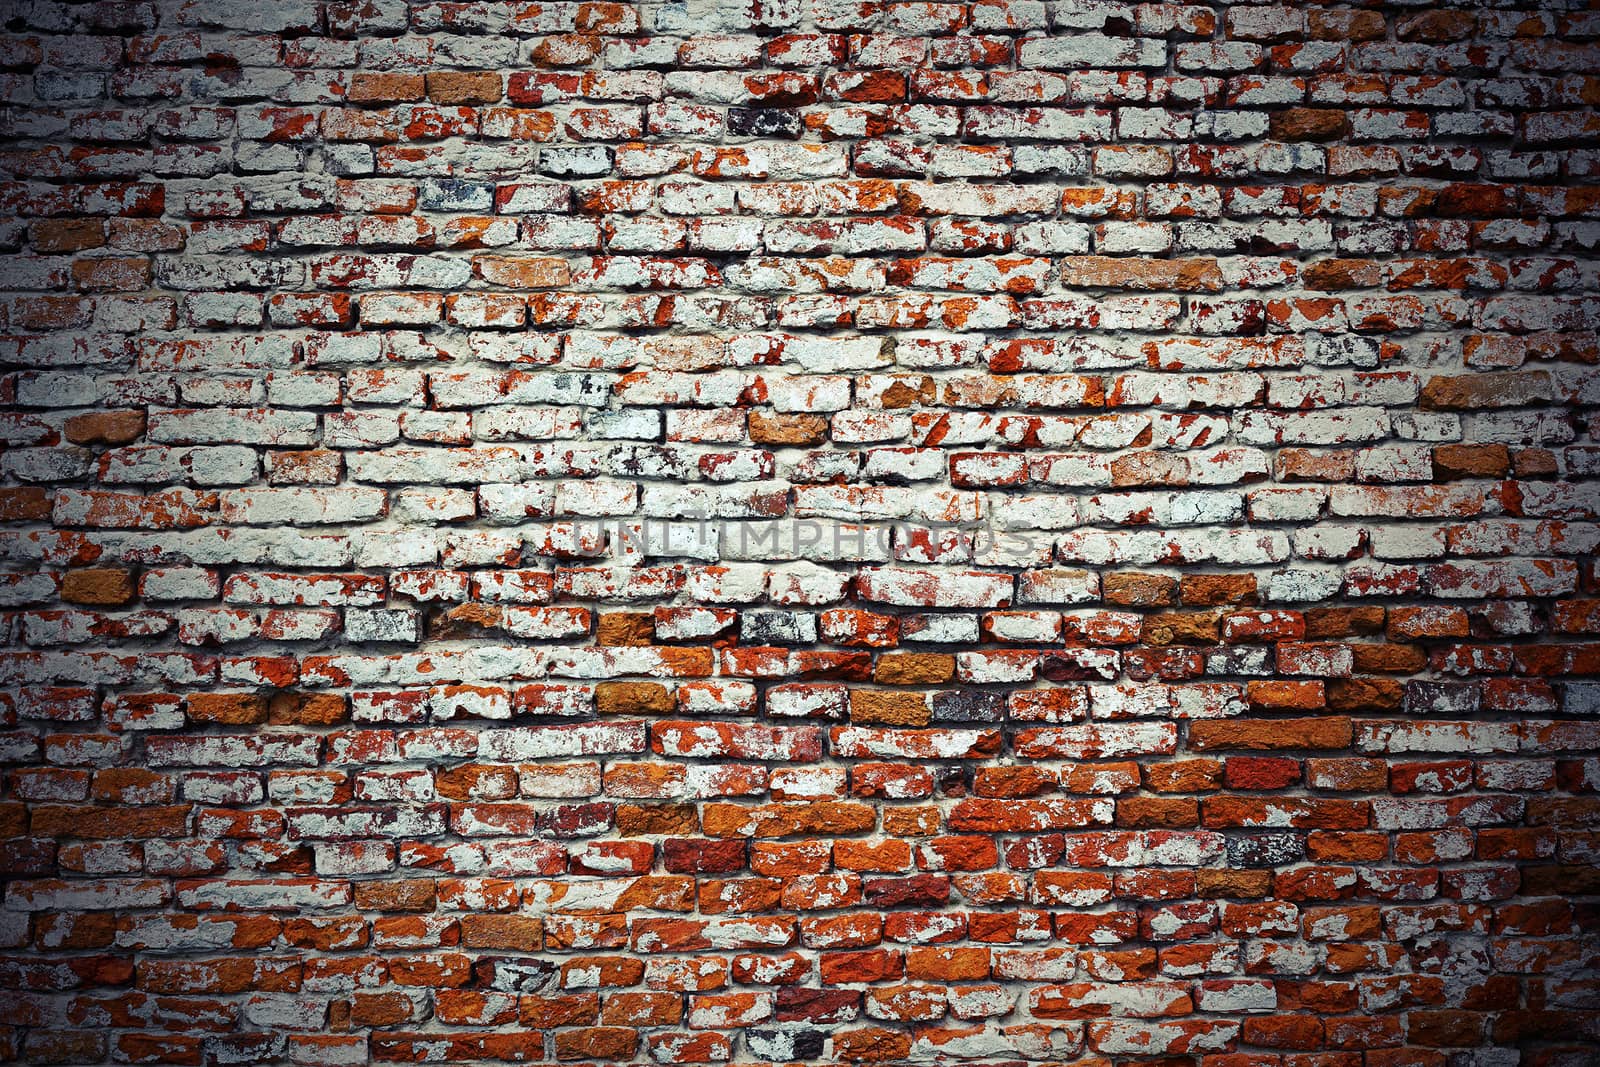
(1468, 392)
(1317, 733)
(632, 698)
(384, 88)
(103, 586)
(463, 87)
(230, 709)
(105, 428)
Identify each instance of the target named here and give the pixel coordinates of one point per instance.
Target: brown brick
(597, 1043)
(105, 428)
(1285, 695)
(1184, 776)
(1470, 461)
(637, 819)
(1235, 885)
(524, 272)
(1437, 26)
(230, 709)
(65, 820)
(883, 708)
(1268, 734)
(515, 933)
(1346, 24)
(465, 620)
(625, 628)
(24, 505)
(1151, 813)
(633, 698)
(914, 668)
(1198, 275)
(111, 273)
(1347, 774)
(131, 785)
(1215, 590)
(1470, 392)
(307, 709)
(1309, 124)
(385, 88)
(380, 1009)
(1365, 694)
(1397, 659)
(1534, 463)
(1306, 465)
(464, 86)
(1182, 628)
(405, 894)
(1326, 623)
(1331, 275)
(779, 429)
(103, 586)
(55, 236)
(1139, 590)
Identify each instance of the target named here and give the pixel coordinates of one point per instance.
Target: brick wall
(799, 531)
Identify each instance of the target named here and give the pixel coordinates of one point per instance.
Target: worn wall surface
(799, 531)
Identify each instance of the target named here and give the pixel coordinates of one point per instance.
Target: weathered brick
(100, 585)
(1067, 532)
(105, 428)
(463, 87)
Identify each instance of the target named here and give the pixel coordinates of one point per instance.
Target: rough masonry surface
(799, 531)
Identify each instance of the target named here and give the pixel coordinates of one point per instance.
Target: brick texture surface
(799, 531)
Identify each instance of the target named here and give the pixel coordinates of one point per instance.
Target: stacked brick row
(799, 531)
